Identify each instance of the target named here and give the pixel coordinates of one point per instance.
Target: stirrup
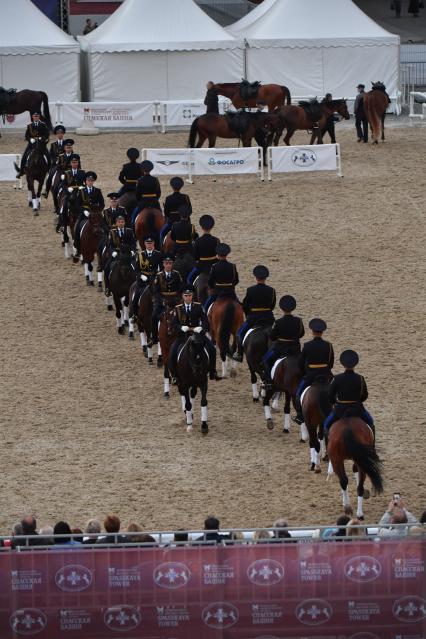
(297, 419)
(237, 357)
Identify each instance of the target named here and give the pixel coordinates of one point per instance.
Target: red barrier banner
(325, 590)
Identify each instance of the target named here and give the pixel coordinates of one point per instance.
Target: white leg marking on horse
(286, 421)
(203, 413)
(255, 391)
(312, 454)
(330, 470)
(100, 277)
(143, 339)
(356, 477)
(121, 317)
(224, 370)
(276, 401)
(188, 414)
(316, 458)
(159, 349)
(34, 203)
(86, 270)
(183, 400)
(322, 447)
(30, 196)
(131, 328)
(118, 319)
(267, 412)
(346, 500)
(359, 512)
(149, 352)
(126, 313)
(67, 251)
(304, 435)
(38, 202)
(166, 385)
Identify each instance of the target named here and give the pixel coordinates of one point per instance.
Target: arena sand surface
(85, 429)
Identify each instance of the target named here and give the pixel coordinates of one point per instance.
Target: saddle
(238, 121)
(312, 108)
(379, 86)
(249, 90)
(6, 96)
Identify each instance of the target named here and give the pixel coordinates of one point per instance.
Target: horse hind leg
(314, 447)
(204, 424)
(286, 427)
(254, 388)
(188, 412)
(119, 315)
(383, 127)
(166, 383)
(160, 359)
(267, 410)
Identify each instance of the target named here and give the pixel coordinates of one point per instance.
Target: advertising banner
(332, 590)
(20, 120)
(227, 161)
(291, 159)
(7, 170)
(180, 113)
(169, 161)
(104, 115)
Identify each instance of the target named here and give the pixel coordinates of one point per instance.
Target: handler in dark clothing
(212, 99)
(361, 121)
(329, 125)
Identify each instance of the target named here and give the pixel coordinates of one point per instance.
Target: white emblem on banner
(122, 618)
(409, 609)
(265, 572)
(73, 578)
(363, 568)
(220, 615)
(304, 157)
(28, 621)
(172, 575)
(314, 612)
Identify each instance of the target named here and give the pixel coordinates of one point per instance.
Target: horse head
(340, 107)
(95, 220)
(197, 355)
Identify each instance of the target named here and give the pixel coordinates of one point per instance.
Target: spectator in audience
(79, 534)
(46, 534)
(342, 522)
(211, 526)
(62, 528)
(262, 535)
(282, 524)
(236, 535)
(89, 26)
(147, 539)
(354, 528)
(112, 526)
(348, 510)
(423, 518)
(395, 515)
(29, 527)
(134, 528)
(92, 530)
(180, 536)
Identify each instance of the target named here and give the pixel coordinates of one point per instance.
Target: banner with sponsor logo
(106, 115)
(169, 161)
(300, 159)
(183, 113)
(332, 590)
(227, 161)
(7, 169)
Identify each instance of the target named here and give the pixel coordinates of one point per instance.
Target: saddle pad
(209, 309)
(250, 330)
(181, 350)
(275, 366)
(303, 394)
(81, 229)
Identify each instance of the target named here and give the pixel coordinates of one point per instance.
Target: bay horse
(129, 201)
(295, 118)
(144, 319)
(351, 438)
(121, 277)
(68, 215)
(225, 317)
(255, 345)
(192, 373)
(286, 376)
(271, 95)
(201, 287)
(315, 408)
(376, 102)
(149, 221)
(90, 237)
(35, 171)
(183, 262)
(167, 333)
(26, 100)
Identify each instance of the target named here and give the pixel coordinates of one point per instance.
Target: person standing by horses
(183, 233)
(348, 390)
(330, 123)
(316, 361)
(361, 121)
(212, 98)
(285, 335)
(205, 249)
(90, 198)
(148, 190)
(223, 277)
(119, 238)
(167, 290)
(130, 173)
(172, 203)
(190, 317)
(258, 306)
(148, 264)
(36, 130)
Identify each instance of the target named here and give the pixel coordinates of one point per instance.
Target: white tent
(315, 46)
(159, 50)
(36, 54)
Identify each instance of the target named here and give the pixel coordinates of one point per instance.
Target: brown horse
(271, 95)
(68, 214)
(295, 118)
(36, 171)
(166, 336)
(315, 408)
(225, 316)
(129, 201)
(90, 237)
(26, 100)
(149, 221)
(376, 102)
(351, 438)
(144, 319)
(286, 376)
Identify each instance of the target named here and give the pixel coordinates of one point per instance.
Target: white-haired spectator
(92, 531)
(46, 534)
(282, 532)
(393, 519)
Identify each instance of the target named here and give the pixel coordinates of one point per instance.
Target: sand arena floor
(85, 429)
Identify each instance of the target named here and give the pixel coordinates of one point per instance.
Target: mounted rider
(348, 391)
(167, 290)
(148, 190)
(191, 317)
(90, 198)
(72, 180)
(258, 306)
(205, 249)
(36, 130)
(183, 233)
(120, 239)
(111, 213)
(148, 264)
(130, 173)
(223, 277)
(172, 203)
(316, 362)
(285, 336)
(57, 149)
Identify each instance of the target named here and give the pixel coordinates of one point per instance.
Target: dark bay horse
(122, 276)
(192, 372)
(376, 102)
(129, 201)
(285, 376)
(201, 287)
(295, 118)
(149, 221)
(90, 237)
(270, 95)
(243, 126)
(166, 336)
(255, 345)
(225, 316)
(36, 171)
(68, 215)
(144, 320)
(351, 438)
(26, 100)
(315, 408)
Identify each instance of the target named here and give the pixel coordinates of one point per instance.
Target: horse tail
(287, 94)
(365, 458)
(226, 327)
(46, 112)
(193, 134)
(150, 222)
(324, 402)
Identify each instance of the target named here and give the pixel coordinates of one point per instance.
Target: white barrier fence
(420, 99)
(302, 159)
(7, 169)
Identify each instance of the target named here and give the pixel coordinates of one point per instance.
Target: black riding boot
(299, 415)
(239, 355)
(212, 371)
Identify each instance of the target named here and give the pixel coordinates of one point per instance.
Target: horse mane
(226, 85)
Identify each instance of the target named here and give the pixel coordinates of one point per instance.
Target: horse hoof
(159, 361)
(126, 322)
(366, 494)
(312, 466)
(75, 259)
(302, 441)
(317, 470)
(121, 330)
(204, 428)
(109, 308)
(286, 431)
(361, 517)
(166, 395)
(36, 213)
(87, 282)
(131, 337)
(233, 373)
(255, 400)
(150, 361)
(189, 429)
(269, 424)
(325, 457)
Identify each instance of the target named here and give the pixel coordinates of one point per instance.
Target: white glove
(198, 329)
(63, 176)
(81, 188)
(185, 329)
(32, 140)
(114, 253)
(144, 278)
(132, 253)
(86, 213)
(70, 189)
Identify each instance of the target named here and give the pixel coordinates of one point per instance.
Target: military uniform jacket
(286, 333)
(64, 161)
(56, 149)
(120, 238)
(148, 187)
(348, 388)
(317, 356)
(205, 252)
(149, 265)
(259, 302)
(183, 235)
(223, 277)
(130, 174)
(174, 201)
(39, 130)
(74, 180)
(168, 287)
(92, 200)
(195, 317)
(110, 215)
